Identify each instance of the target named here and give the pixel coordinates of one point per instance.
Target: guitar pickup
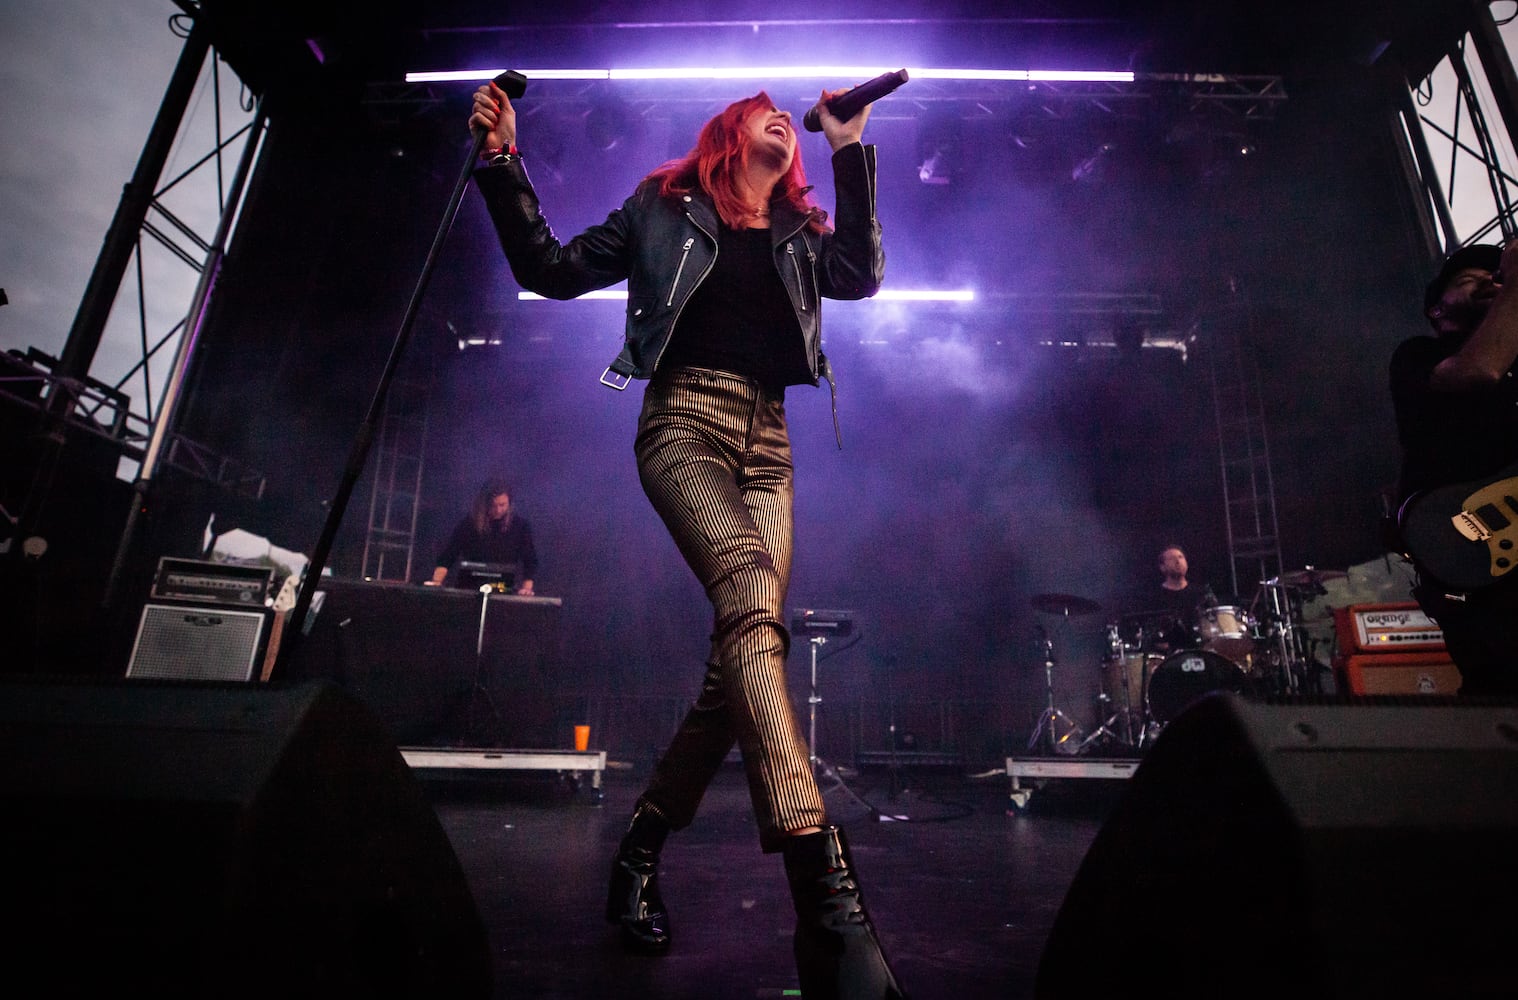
(1471, 527)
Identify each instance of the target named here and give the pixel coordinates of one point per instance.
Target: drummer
(1177, 598)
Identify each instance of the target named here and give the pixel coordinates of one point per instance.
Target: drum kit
(1155, 664)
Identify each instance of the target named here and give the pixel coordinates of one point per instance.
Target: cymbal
(1064, 604)
(1310, 577)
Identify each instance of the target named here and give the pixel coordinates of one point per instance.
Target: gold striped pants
(714, 457)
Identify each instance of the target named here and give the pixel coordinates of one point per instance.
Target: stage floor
(963, 892)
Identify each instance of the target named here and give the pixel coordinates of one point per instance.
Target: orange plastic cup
(582, 738)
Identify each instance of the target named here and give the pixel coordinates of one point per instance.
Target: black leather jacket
(666, 247)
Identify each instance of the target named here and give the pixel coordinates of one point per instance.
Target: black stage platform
(963, 893)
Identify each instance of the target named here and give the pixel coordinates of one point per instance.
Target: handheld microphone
(849, 103)
(514, 83)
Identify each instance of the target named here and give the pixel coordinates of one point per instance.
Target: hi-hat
(1310, 577)
(1064, 604)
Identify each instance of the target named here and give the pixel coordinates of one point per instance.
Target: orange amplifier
(1392, 649)
(1400, 673)
(1386, 628)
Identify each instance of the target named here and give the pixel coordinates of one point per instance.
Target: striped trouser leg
(714, 458)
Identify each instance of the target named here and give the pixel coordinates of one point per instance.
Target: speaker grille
(200, 644)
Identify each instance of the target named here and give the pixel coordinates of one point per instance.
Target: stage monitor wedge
(1305, 849)
(181, 839)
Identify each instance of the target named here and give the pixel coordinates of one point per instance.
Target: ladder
(395, 500)
(1249, 503)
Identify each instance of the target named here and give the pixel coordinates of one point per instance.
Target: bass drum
(1183, 677)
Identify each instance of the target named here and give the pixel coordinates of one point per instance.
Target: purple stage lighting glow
(779, 73)
(884, 295)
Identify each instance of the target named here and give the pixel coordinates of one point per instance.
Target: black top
(511, 544)
(1449, 437)
(740, 318)
(1183, 603)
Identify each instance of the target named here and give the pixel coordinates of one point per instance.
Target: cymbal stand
(821, 768)
(1124, 711)
(1286, 635)
(1052, 717)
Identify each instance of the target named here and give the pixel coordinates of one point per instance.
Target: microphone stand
(515, 85)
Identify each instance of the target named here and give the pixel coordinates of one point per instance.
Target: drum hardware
(1121, 689)
(1051, 720)
(1310, 579)
(1105, 730)
(1286, 643)
(1064, 605)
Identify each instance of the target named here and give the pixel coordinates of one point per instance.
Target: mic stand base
(829, 779)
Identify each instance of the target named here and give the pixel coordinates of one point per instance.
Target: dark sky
(80, 85)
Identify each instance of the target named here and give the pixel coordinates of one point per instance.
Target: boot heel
(633, 901)
(838, 954)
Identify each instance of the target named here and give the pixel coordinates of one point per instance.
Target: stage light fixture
(832, 73)
(940, 151)
(934, 169)
(1093, 167)
(884, 295)
(608, 125)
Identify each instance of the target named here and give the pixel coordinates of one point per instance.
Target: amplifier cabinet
(199, 643)
(1386, 628)
(1401, 673)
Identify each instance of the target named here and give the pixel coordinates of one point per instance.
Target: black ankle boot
(633, 900)
(838, 956)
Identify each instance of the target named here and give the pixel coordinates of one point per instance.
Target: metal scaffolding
(396, 497)
(63, 391)
(1238, 399)
(1445, 137)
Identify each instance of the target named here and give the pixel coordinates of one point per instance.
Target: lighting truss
(884, 295)
(773, 73)
(1246, 96)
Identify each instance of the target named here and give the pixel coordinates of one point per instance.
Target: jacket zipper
(690, 241)
(790, 248)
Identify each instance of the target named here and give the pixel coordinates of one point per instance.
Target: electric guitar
(1465, 535)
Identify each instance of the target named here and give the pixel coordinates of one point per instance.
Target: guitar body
(1466, 535)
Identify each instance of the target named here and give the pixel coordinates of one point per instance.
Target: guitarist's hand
(1509, 263)
(1486, 355)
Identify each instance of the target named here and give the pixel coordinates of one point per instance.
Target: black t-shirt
(1183, 603)
(1449, 437)
(511, 543)
(740, 318)
(1158, 617)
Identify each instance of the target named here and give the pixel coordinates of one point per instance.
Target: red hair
(721, 151)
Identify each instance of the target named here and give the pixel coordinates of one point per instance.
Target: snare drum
(1227, 630)
(1181, 678)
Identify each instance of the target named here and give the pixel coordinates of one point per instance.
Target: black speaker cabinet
(1304, 850)
(199, 642)
(216, 840)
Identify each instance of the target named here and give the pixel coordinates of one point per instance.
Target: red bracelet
(490, 154)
